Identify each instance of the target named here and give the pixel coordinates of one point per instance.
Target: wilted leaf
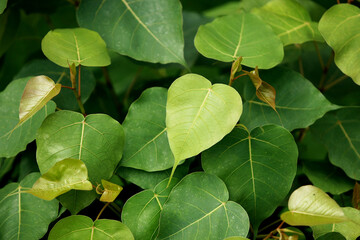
(111, 191)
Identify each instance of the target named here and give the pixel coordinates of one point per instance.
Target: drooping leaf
(76, 45)
(82, 227)
(340, 132)
(298, 102)
(146, 144)
(290, 21)
(13, 136)
(145, 30)
(242, 35)
(340, 26)
(37, 93)
(22, 215)
(111, 191)
(62, 177)
(310, 206)
(263, 162)
(3, 4)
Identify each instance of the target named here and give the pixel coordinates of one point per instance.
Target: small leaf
(111, 191)
(62, 177)
(310, 206)
(37, 93)
(235, 67)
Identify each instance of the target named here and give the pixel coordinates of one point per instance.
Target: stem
(111, 88)
(333, 83)
(101, 211)
(301, 66)
(269, 225)
(325, 71)
(274, 231)
(232, 80)
(319, 55)
(81, 106)
(302, 134)
(132, 84)
(67, 87)
(79, 81)
(61, 77)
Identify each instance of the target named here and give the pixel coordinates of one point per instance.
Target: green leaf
(340, 28)
(263, 161)
(9, 23)
(38, 92)
(13, 136)
(145, 30)
(146, 144)
(76, 45)
(62, 177)
(340, 132)
(82, 227)
(3, 4)
(331, 236)
(310, 206)
(298, 102)
(111, 191)
(22, 215)
(242, 35)
(199, 114)
(141, 212)
(349, 229)
(236, 238)
(5, 166)
(197, 206)
(290, 21)
(76, 200)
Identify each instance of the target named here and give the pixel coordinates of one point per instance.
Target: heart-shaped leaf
(263, 161)
(62, 177)
(82, 227)
(77, 45)
(111, 191)
(310, 206)
(340, 26)
(242, 35)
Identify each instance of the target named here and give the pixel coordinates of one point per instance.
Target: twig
(319, 55)
(325, 71)
(102, 210)
(67, 87)
(274, 231)
(333, 83)
(132, 84)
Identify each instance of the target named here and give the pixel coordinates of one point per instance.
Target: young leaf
(76, 200)
(310, 206)
(37, 93)
(82, 227)
(242, 35)
(111, 191)
(77, 45)
(235, 68)
(62, 177)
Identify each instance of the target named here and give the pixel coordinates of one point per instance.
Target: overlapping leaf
(111, 191)
(75, 200)
(3, 4)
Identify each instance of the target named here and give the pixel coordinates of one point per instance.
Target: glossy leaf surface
(111, 191)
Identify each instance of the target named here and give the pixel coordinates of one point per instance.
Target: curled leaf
(111, 191)
(235, 67)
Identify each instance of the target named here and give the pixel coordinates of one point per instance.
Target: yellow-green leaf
(111, 191)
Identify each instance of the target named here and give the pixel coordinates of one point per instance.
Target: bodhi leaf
(290, 21)
(340, 26)
(22, 215)
(242, 35)
(13, 136)
(310, 206)
(298, 102)
(199, 114)
(3, 4)
(197, 206)
(77, 45)
(62, 177)
(145, 30)
(111, 191)
(146, 144)
(263, 161)
(76, 200)
(82, 227)
(340, 132)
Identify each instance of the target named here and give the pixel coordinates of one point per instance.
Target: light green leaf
(76, 45)
(290, 21)
(298, 102)
(340, 132)
(349, 229)
(146, 144)
(145, 30)
(62, 177)
(227, 38)
(263, 161)
(82, 227)
(3, 4)
(111, 191)
(340, 26)
(13, 136)
(141, 212)
(22, 215)
(198, 205)
(310, 206)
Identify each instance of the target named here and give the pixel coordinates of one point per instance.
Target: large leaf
(146, 144)
(340, 26)
(145, 30)
(310, 206)
(290, 21)
(340, 132)
(5, 166)
(22, 215)
(82, 227)
(76, 200)
(227, 38)
(62, 177)
(199, 114)
(13, 136)
(77, 45)
(258, 167)
(198, 208)
(3, 4)
(298, 102)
